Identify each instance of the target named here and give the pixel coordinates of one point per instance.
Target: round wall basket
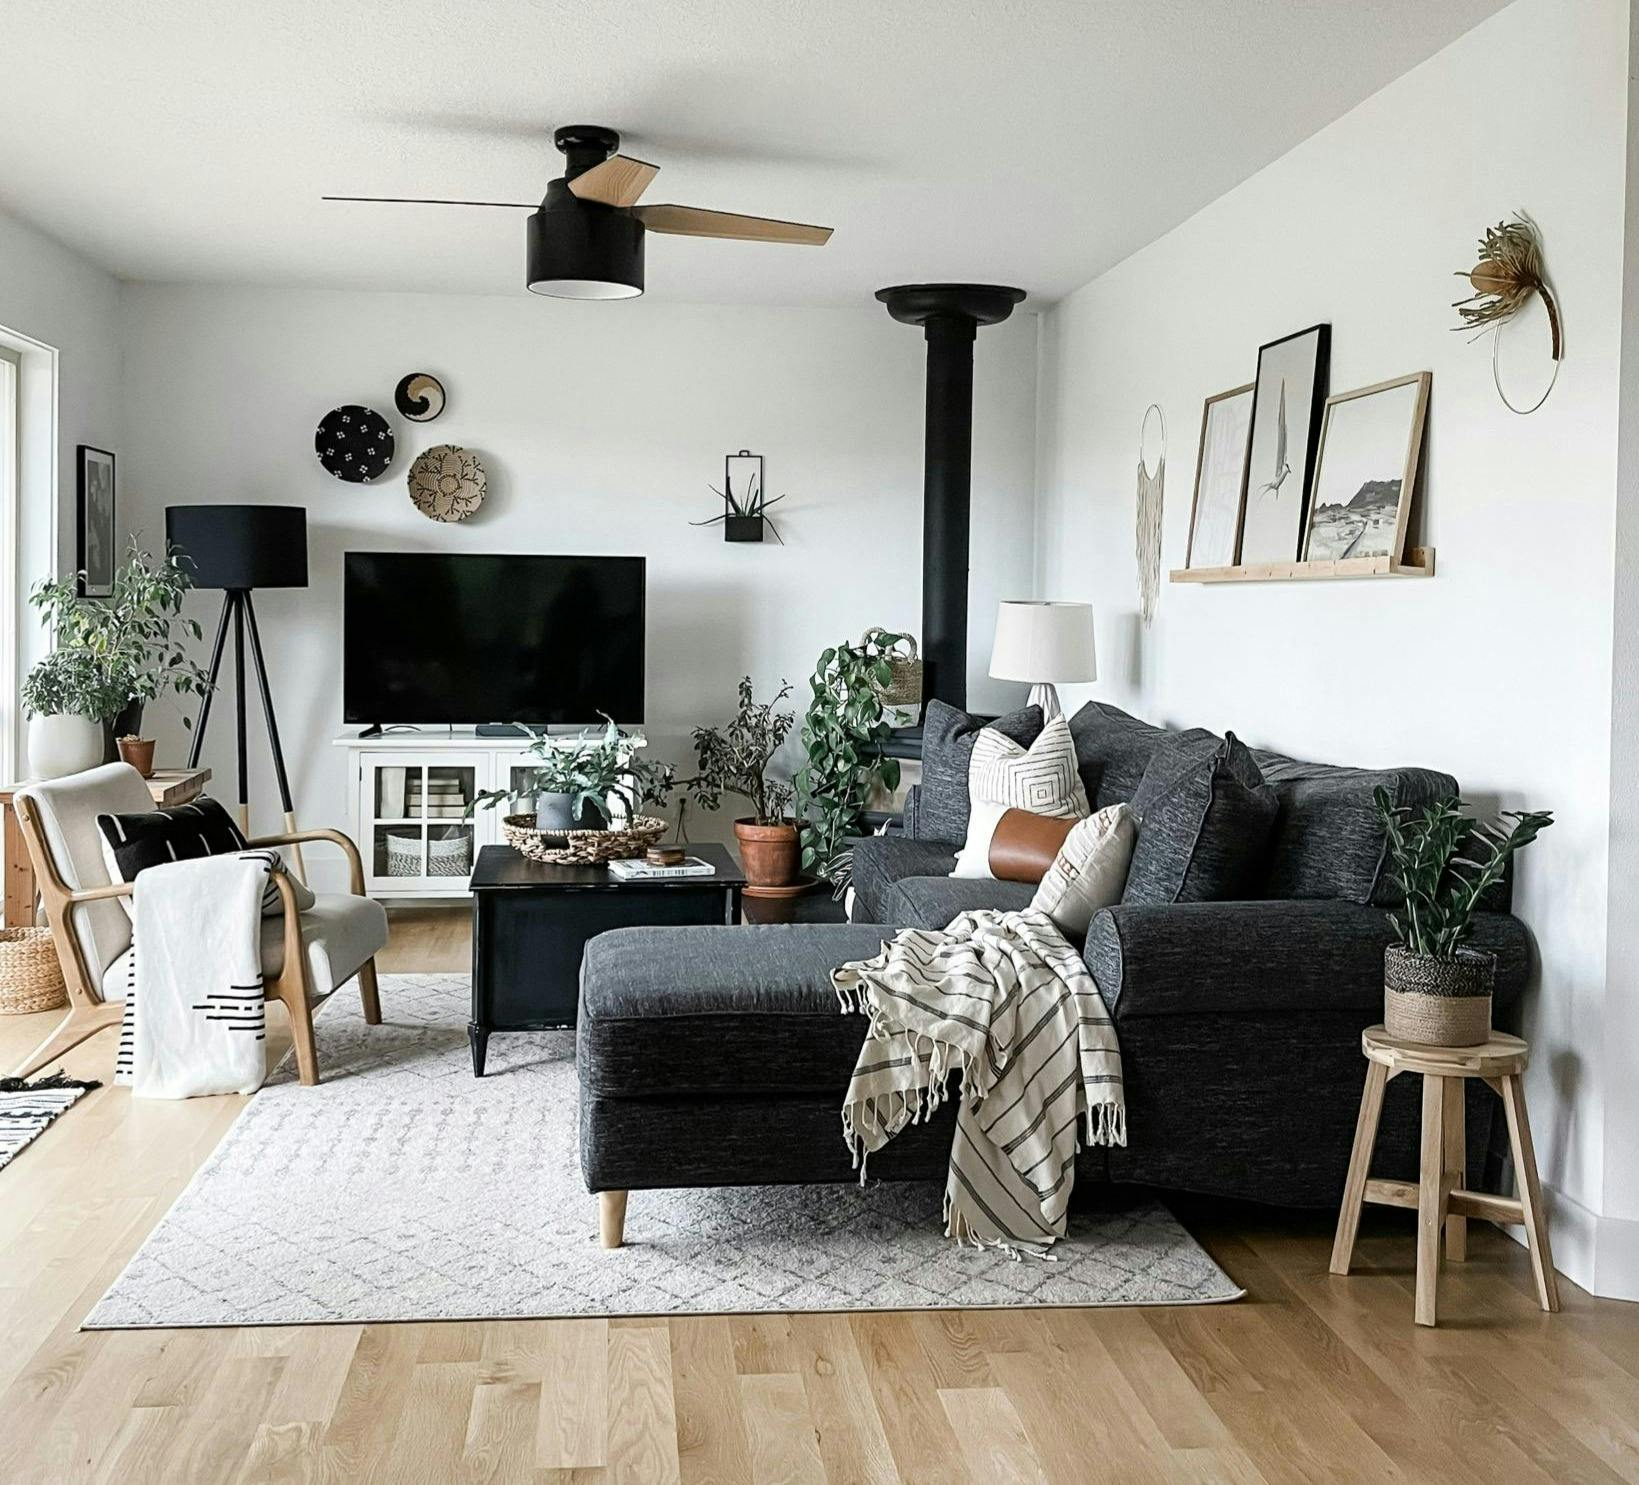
(419, 397)
(354, 443)
(447, 483)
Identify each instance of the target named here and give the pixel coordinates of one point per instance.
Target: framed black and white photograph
(1366, 471)
(1220, 476)
(1287, 399)
(95, 553)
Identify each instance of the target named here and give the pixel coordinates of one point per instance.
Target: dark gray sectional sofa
(717, 1056)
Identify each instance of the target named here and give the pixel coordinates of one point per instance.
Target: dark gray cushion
(881, 860)
(931, 902)
(1327, 841)
(667, 1012)
(1204, 818)
(1113, 749)
(948, 736)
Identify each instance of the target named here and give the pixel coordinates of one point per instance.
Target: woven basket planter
(31, 979)
(1438, 1002)
(904, 686)
(581, 847)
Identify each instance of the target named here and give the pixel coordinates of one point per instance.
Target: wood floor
(1310, 1378)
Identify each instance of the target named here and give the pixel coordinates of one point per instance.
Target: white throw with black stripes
(1006, 1001)
(195, 1022)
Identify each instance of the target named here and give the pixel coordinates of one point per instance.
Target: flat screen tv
(468, 640)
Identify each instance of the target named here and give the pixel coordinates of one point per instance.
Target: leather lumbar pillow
(1090, 870)
(1010, 845)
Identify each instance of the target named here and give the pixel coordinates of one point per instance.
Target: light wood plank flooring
(1311, 1378)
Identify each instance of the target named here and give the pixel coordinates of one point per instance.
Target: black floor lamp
(238, 548)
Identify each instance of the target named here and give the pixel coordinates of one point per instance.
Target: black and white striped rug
(26, 1109)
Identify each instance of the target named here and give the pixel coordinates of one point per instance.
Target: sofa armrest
(907, 814)
(1229, 958)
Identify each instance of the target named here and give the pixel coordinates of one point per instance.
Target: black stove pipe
(950, 316)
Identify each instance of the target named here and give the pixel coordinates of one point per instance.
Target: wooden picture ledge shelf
(1419, 563)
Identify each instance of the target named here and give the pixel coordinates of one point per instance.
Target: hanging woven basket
(904, 688)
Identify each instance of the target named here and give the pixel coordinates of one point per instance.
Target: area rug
(27, 1108)
(402, 1188)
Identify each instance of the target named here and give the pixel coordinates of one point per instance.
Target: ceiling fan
(586, 234)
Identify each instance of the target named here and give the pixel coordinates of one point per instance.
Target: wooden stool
(1439, 1197)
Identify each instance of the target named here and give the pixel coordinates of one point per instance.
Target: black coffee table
(530, 923)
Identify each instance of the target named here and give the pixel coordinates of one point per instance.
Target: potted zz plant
(1436, 987)
(734, 760)
(575, 778)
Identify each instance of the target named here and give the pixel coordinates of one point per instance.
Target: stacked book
(637, 869)
(444, 798)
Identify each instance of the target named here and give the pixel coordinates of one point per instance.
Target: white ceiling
(1032, 142)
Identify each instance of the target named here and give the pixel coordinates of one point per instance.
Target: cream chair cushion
(338, 932)
(67, 810)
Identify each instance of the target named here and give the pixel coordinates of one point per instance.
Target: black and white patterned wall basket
(419, 397)
(354, 443)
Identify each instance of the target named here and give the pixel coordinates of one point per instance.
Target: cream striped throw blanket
(1005, 1000)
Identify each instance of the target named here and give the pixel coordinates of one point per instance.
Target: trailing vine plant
(842, 736)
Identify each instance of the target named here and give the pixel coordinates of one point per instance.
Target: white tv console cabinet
(409, 795)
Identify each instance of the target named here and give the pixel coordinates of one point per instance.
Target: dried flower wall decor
(1509, 272)
(1151, 494)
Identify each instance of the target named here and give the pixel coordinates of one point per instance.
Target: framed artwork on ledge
(1287, 400)
(1366, 471)
(1220, 479)
(94, 550)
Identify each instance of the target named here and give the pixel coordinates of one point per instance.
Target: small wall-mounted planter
(743, 528)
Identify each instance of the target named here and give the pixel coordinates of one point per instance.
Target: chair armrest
(355, 863)
(102, 894)
(1232, 958)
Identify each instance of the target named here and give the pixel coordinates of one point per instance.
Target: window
(11, 616)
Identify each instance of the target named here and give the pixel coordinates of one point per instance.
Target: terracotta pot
(768, 852)
(139, 753)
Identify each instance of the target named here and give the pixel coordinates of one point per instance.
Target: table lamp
(1042, 642)
(238, 548)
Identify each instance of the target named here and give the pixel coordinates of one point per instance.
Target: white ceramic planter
(62, 745)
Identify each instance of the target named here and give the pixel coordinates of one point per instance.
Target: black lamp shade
(581, 250)
(240, 546)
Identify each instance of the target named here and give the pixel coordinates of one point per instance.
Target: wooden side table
(167, 787)
(1439, 1198)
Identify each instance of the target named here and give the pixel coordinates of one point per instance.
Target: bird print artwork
(1283, 465)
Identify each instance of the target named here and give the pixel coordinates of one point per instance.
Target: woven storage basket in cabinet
(31, 979)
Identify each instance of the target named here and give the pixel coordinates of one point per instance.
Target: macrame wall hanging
(1509, 272)
(1151, 491)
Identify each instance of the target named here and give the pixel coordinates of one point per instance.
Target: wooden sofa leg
(369, 992)
(612, 1218)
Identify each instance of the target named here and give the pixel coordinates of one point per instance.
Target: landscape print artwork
(1215, 522)
(1366, 470)
(1286, 405)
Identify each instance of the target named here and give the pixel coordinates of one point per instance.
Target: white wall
(1497, 670)
(601, 426)
(54, 298)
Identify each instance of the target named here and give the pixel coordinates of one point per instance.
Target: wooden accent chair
(305, 956)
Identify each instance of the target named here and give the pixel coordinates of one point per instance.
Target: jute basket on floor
(1438, 1002)
(31, 979)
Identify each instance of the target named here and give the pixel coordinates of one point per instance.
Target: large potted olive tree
(1436, 986)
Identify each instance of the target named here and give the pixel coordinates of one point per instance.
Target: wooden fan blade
(434, 201)
(696, 221)
(618, 181)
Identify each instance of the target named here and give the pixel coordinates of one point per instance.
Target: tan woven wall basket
(31, 979)
(905, 687)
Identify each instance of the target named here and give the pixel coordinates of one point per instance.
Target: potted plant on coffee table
(575, 780)
(734, 760)
(1436, 987)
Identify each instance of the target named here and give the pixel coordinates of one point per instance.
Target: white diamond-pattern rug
(403, 1188)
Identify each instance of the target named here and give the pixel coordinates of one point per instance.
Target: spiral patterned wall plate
(419, 396)
(354, 443)
(447, 483)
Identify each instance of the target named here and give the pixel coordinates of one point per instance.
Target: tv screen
(468, 640)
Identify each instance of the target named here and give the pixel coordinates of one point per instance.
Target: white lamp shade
(1044, 642)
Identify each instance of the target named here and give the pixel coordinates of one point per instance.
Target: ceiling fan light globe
(581, 251)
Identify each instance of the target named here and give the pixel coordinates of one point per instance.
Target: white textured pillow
(1042, 778)
(1090, 870)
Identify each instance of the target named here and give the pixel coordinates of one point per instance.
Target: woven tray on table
(31, 979)
(581, 847)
